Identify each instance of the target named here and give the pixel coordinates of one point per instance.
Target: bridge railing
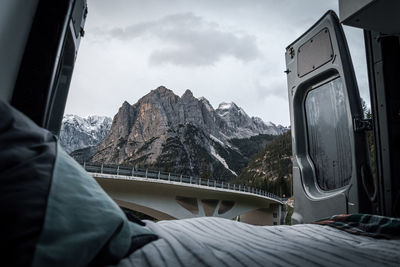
(158, 175)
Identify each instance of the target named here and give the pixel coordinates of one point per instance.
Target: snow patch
(77, 132)
(217, 140)
(90, 124)
(225, 105)
(221, 142)
(221, 159)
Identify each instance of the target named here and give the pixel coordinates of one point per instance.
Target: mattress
(210, 241)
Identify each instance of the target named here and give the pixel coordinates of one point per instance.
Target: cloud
(132, 46)
(275, 86)
(189, 40)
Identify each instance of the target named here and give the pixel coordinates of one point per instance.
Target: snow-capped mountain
(77, 132)
(183, 135)
(244, 126)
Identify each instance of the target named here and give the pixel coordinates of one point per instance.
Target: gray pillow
(56, 214)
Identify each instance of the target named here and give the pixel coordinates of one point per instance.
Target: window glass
(328, 134)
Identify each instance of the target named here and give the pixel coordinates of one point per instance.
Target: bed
(219, 242)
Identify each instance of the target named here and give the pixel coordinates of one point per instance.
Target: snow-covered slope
(242, 125)
(77, 132)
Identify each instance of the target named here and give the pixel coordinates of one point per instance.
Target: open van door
(331, 166)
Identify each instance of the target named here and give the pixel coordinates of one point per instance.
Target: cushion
(55, 214)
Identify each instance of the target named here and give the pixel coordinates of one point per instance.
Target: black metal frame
(383, 60)
(35, 93)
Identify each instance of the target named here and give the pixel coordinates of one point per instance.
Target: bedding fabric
(83, 225)
(53, 213)
(27, 155)
(219, 242)
(365, 224)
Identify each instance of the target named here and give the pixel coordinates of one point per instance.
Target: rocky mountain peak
(161, 110)
(162, 90)
(227, 106)
(245, 126)
(126, 103)
(164, 129)
(230, 109)
(188, 97)
(187, 94)
(206, 104)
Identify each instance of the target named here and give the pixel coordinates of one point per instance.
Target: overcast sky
(224, 50)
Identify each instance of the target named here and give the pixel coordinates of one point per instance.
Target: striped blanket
(212, 241)
(365, 224)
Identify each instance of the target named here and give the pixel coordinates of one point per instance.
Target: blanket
(365, 224)
(210, 241)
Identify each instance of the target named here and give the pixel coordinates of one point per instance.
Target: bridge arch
(165, 200)
(156, 214)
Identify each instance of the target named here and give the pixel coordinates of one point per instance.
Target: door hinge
(361, 125)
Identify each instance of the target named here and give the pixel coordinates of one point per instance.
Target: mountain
(182, 135)
(242, 125)
(271, 168)
(77, 132)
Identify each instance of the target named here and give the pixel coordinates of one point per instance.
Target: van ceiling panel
(379, 15)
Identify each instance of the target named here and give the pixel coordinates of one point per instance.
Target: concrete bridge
(166, 196)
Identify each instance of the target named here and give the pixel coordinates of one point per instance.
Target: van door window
(328, 135)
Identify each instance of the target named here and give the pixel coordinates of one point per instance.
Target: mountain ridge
(182, 134)
(77, 132)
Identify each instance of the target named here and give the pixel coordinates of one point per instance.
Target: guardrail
(158, 175)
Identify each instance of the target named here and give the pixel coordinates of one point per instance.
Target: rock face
(240, 125)
(180, 134)
(77, 132)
